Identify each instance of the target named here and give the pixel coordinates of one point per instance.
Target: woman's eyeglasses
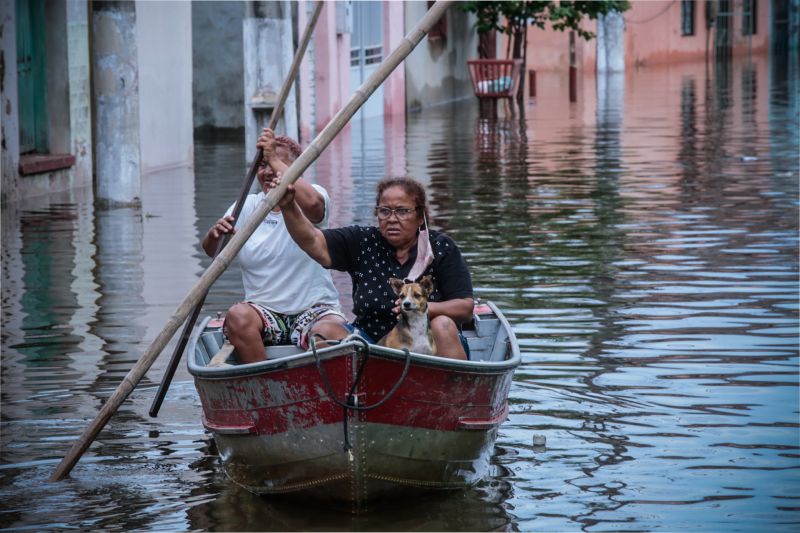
(402, 213)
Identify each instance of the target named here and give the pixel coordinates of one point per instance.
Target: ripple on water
(649, 272)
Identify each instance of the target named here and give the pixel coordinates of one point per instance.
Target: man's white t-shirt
(276, 273)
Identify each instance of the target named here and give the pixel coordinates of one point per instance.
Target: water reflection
(643, 242)
(478, 509)
(119, 275)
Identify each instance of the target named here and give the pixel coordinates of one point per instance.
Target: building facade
(659, 32)
(93, 95)
(45, 95)
(99, 94)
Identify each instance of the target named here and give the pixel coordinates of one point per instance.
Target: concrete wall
(217, 59)
(116, 103)
(80, 91)
(436, 71)
(68, 101)
(268, 51)
(164, 34)
(610, 42)
(325, 84)
(57, 78)
(9, 124)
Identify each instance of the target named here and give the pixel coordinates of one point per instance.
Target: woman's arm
(221, 227)
(454, 283)
(306, 196)
(309, 200)
(459, 309)
(308, 237)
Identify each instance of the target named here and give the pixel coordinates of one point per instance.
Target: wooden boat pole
(166, 380)
(224, 259)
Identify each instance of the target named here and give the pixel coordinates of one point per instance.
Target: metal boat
(355, 421)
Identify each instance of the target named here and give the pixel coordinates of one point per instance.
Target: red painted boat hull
(280, 427)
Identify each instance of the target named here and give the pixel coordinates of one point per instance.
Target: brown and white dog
(413, 328)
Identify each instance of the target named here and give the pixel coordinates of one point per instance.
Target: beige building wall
(436, 71)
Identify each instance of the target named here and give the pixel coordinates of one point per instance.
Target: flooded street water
(643, 243)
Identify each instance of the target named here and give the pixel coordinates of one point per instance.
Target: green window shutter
(32, 76)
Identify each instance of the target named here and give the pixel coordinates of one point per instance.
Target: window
(749, 9)
(687, 17)
(373, 54)
(367, 34)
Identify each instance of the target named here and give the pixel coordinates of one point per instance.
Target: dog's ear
(427, 285)
(397, 285)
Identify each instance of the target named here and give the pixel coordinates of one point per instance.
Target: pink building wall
(331, 70)
(549, 49)
(653, 32)
(652, 37)
(305, 94)
(394, 88)
(394, 93)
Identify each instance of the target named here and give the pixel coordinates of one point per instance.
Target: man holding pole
(223, 259)
(286, 292)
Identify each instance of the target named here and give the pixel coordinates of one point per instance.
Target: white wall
(80, 91)
(268, 54)
(164, 35)
(9, 120)
(436, 71)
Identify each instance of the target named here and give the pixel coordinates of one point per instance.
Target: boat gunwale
(330, 352)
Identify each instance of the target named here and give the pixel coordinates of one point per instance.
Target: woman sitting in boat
(400, 247)
(286, 292)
